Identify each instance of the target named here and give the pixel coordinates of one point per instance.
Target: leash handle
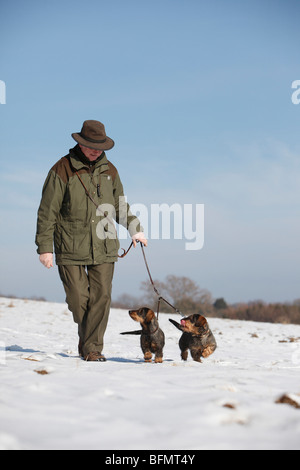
(125, 252)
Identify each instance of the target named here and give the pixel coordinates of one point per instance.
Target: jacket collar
(79, 161)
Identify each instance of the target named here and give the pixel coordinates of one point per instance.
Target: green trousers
(88, 295)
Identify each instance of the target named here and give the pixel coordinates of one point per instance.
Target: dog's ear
(143, 311)
(150, 315)
(201, 322)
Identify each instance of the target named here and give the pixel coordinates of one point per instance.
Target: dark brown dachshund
(196, 337)
(152, 337)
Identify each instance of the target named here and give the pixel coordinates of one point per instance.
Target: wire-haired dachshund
(152, 337)
(197, 337)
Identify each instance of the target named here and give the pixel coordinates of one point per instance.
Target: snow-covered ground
(50, 399)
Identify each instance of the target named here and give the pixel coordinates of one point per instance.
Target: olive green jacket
(82, 233)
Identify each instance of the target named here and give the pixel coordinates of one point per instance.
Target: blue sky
(196, 95)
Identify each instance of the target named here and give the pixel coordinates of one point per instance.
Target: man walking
(81, 195)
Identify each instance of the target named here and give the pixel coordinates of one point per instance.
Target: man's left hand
(139, 237)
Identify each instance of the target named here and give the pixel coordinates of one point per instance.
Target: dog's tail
(176, 324)
(137, 332)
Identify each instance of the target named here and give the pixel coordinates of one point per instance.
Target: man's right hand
(47, 260)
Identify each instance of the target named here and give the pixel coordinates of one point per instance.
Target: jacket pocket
(72, 238)
(112, 246)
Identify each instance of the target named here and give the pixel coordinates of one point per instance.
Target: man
(81, 195)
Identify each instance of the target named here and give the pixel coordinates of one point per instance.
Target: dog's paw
(148, 357)
(158, 360)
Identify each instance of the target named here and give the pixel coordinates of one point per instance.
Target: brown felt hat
(93, 136)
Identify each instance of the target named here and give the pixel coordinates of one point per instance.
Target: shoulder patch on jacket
(112, 171)
(63, 169)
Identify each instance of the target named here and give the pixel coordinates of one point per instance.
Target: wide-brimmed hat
(93, 136)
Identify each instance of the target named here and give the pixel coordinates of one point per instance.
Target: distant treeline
(261, 312)
(189, 298)
(33, 297)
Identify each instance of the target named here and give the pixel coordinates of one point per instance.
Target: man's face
(90, 154)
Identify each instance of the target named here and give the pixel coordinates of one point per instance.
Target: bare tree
(181, 292)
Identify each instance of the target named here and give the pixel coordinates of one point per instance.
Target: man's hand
(47, 260)
(139, 237)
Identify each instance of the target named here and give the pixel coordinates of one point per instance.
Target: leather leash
(160, 297)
